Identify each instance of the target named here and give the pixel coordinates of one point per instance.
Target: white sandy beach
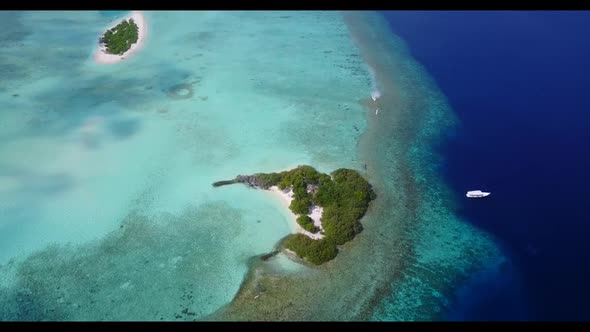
(315, 213)
(102, 57)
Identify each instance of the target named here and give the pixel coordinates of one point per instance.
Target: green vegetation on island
(344, 196)
(314, 251)
(307, 223)
(120, 38)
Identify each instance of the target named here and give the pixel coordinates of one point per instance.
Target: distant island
(328, 208)
(122, 40)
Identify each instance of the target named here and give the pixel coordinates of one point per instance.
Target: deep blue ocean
(519, 83)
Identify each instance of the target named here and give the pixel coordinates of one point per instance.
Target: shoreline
(389, 219)
(315, 213)
(100, 55)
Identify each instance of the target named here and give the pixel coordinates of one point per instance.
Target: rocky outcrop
(249, 180)
(224, 183)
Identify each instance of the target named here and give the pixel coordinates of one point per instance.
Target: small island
(328, 208)
(122, 40)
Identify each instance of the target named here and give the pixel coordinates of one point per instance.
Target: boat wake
(375, 93)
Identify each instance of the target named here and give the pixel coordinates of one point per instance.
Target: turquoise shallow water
(106, 173)
(413, 250)
(107, 196)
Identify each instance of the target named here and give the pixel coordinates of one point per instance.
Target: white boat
(477, 194)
